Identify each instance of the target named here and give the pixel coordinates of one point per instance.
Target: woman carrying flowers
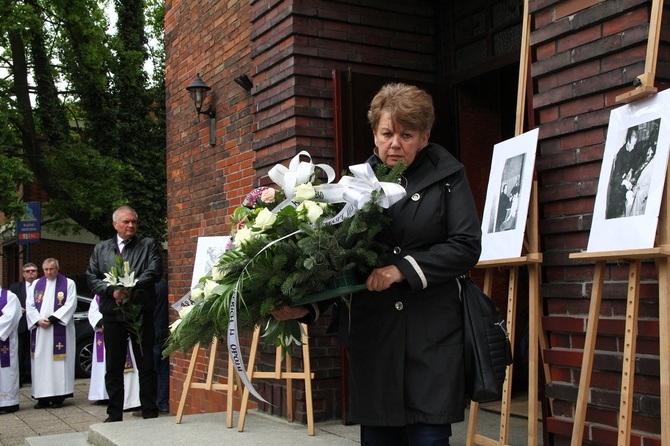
(406, 331)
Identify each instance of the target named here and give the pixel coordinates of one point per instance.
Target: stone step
(73, 439)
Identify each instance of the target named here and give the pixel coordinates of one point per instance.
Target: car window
(83, 304)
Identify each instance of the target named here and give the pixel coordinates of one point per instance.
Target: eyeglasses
(29, 270)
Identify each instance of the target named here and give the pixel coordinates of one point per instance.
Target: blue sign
(28, 227)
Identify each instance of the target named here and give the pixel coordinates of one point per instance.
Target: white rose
(312, 210)
(304, 192)
(197, 294)
(265, 219)
(209, 287)
(184, 311)
(242, 236)
(217, 274)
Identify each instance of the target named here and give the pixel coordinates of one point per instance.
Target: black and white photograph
(632, 176)
(508, 197)
(207, 255)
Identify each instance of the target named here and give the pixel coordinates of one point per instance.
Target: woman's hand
(285, 313)
(381, 279)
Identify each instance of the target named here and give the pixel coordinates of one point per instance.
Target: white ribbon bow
(359, 187)
(297, 173)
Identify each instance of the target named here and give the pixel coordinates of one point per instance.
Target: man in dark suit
(22, 289)
(143, 256)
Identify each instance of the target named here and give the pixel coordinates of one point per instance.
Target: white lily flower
(128, 281)
(110, 279)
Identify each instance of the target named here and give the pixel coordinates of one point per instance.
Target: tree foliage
(82, 115)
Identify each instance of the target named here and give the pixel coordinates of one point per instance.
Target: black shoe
(111, 420)
(163, 411)
(41, 405)
(9, 409)
(57, 405)
(101, 403)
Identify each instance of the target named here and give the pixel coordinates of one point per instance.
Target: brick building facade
(313, 64)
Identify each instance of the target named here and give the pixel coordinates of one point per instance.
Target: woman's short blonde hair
(407, 105)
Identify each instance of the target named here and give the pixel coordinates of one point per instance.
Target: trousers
(419, 434)
(116, 335)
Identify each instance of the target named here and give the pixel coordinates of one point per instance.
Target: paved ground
(76, 415)
(79, 422)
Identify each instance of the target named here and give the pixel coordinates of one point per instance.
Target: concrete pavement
(79, 423)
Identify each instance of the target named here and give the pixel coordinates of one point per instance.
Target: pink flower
(268, 195)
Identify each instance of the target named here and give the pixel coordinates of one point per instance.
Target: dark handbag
(486, 347)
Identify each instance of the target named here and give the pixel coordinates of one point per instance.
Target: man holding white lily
(122, 292)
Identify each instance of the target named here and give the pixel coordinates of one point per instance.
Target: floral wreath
(288, 246)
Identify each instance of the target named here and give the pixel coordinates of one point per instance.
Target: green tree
(82, 113)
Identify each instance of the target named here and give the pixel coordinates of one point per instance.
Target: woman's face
(395, 143)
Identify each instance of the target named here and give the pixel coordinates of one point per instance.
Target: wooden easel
(532, 260)
(229, 386)
(644, 87)
(289, 375)
(634, 258)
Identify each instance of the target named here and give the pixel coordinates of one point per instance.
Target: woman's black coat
(406, 343)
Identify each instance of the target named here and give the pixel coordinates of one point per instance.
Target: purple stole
(59, 345)
(4, 345)
(100, 347)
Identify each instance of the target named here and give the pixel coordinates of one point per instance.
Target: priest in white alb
(10, 315)
(50, 315)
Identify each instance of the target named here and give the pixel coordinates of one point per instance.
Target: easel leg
(664, 341)
(587, 358)
(187, 383)
(533, 337)
(230, 395)
(245, 394)
(472, 423)
(512, 290)
(630, 341)
(307, 369)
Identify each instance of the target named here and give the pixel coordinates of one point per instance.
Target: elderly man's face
(126, 225)
(50, 270)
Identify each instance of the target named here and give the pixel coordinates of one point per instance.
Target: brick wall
(289, 49)
(585, 54)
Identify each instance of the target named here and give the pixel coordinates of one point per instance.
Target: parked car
(84, 337)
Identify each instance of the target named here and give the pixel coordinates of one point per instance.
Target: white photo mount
(632, 176)
(207, 254)
(508, 197)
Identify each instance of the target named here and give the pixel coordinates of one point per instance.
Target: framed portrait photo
(207, 255)
(632, 176)
(508, 197)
